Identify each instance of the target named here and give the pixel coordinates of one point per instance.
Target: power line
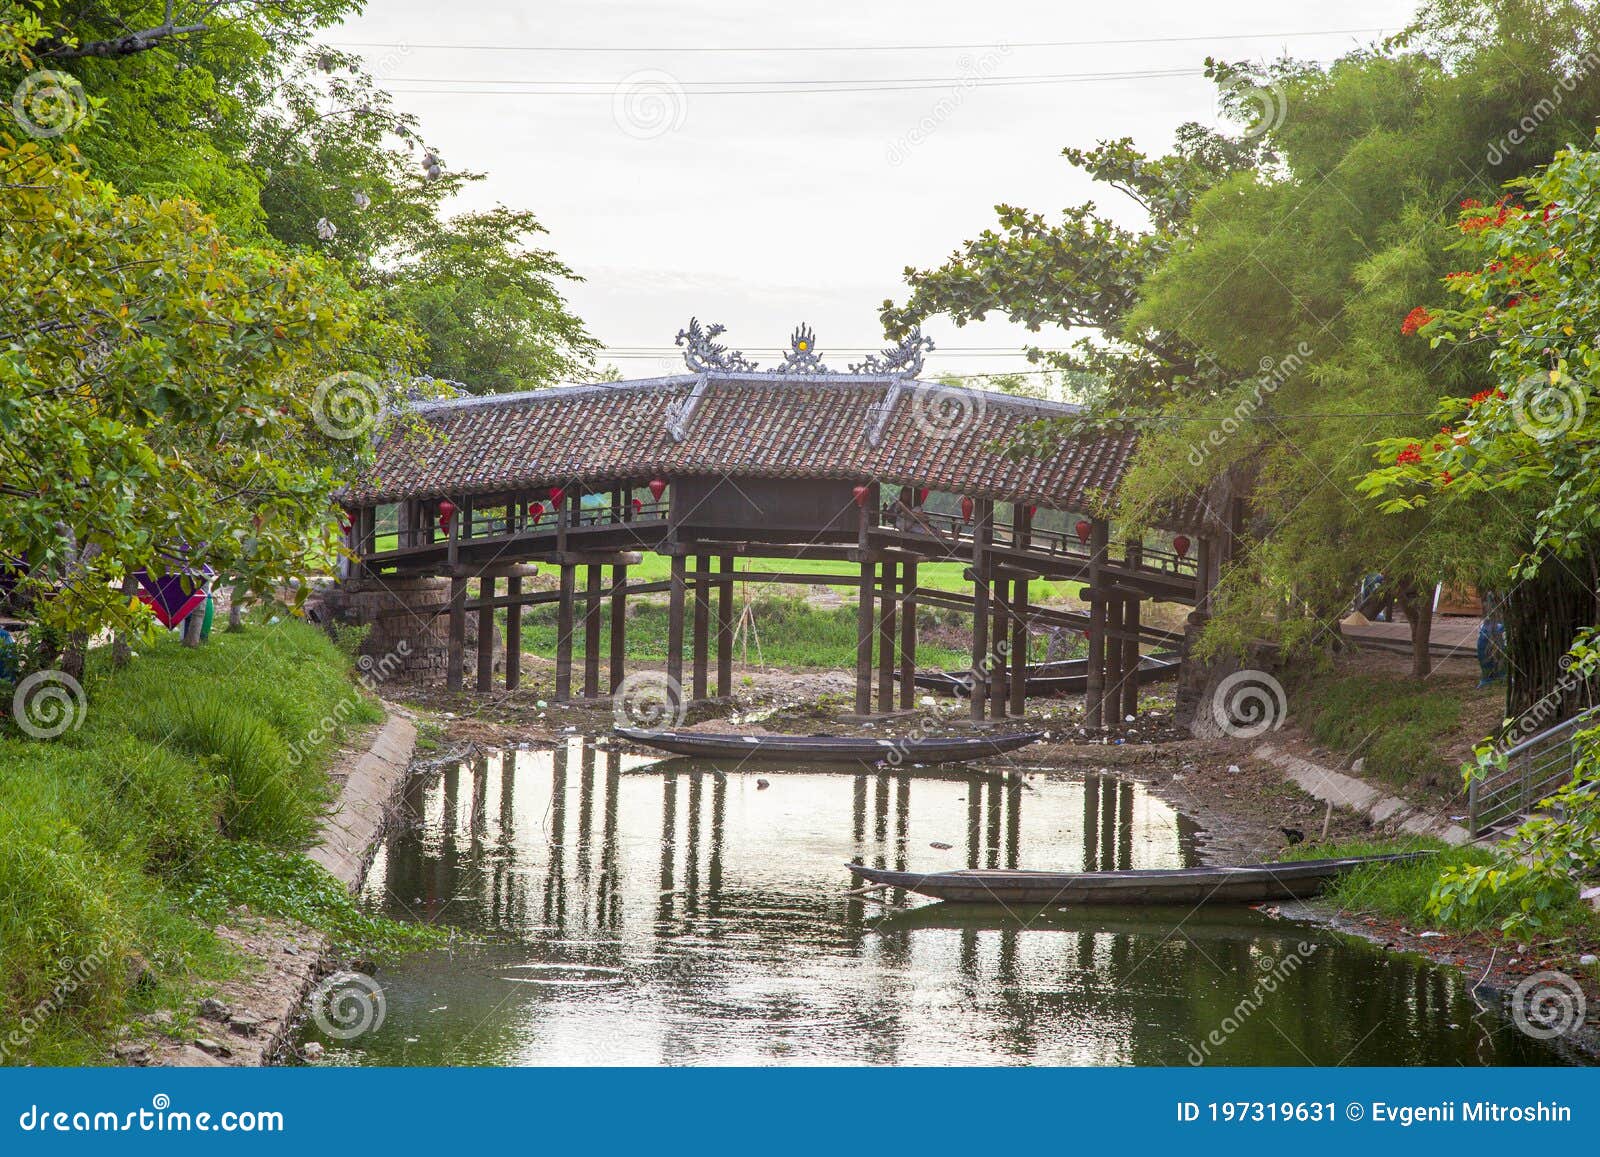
(782, 48)
(843, 84)
(611, 88)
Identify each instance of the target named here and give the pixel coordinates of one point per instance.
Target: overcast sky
(689, 164)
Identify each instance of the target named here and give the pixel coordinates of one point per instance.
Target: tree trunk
(121, 649)
(1419, 617)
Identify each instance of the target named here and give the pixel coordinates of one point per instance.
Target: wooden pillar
(864, 635)
(983, 515)
(725, 626)
(886, 634)
(676, 588)
(1094, 686)
(999, 601)
(569, 582)
(619, 625)
(908, 634)
(591, 634)
(486, 589)
(1202, 575)
(702, 625)
(514, 634)
(1134, 553)
(1019, 647)
(456, 653)
(1112, 711)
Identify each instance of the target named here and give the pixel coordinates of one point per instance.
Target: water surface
(634, 911)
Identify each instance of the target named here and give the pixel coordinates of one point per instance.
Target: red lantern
(966, 510)
(556, 495)
(658, 487)
(447, 511)
(1083, 528)
(536, 512)
(1180, 545)
(922, 496)
(861, 493)
(1032, 510)
(638, 505)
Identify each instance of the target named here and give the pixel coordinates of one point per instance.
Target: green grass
(1401, 891)
(792, 633)
(193, 778)
(942, 576)
(1397, 726)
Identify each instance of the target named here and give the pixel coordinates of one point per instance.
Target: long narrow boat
(1248, 884)
(1064, 677)
(829, 748)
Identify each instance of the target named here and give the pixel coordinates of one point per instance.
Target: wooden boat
(1061, 678)
(829, 748)
(1249, 884)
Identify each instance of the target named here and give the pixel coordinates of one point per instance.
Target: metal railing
(1532, 770)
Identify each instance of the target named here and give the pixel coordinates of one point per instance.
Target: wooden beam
(981, 532)
(702, 626)
(1133, 551)
(591, 635)
(864, 635)
(564, 633)
(1095, 676)
(1111, 695)
(725, 625)
(886, 635)
(1019, 647)
(619, 626)
(456, 651)
(486, 640)
(999, 605)
(908, 635)
(675, 628)
(513, 633)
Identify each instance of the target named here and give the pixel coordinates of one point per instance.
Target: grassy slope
(124, 840)
(1401, 891)
(1408, 731)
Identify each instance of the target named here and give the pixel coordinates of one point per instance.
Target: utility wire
(781, 48)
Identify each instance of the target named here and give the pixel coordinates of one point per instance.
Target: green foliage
(160, 387)
(112, 835)
(1085, 270)
(284, 884)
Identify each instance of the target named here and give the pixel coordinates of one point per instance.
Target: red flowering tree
(1533, 301)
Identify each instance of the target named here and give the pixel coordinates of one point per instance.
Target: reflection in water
(642, 912)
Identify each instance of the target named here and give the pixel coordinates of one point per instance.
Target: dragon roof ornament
(901, 361)
(704, 354)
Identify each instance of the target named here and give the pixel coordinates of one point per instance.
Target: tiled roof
(836, 426)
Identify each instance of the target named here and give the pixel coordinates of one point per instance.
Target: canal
(625, 910)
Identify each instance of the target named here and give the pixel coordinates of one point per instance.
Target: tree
(1298, 278)
(168, 395)
(489, 308)
(1085, 271)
